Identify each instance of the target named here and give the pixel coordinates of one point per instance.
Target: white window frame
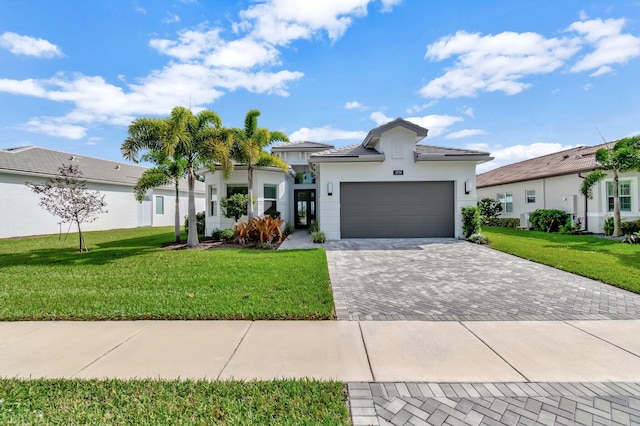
(159, 204)
(633, 184)
(530, 196)
(213, 200)
(503, 199)
(265, 198)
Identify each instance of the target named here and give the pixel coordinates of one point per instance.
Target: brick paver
(451, 280)
(486, 404)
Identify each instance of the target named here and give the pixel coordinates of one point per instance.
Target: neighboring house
(387, 187)
(553, 182)
(21, 215)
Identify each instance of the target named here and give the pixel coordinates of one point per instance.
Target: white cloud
(202, 66)
(512, 154)
(53, 127)
(468, 111)
(414, 109)
(501, 62)
(171, 18)
(465, 133)
(435, 123)
(610, 45)
(355, 105)
(281, 21)
(494, 62)
(587, 87)
(326, 134)
(28, 46)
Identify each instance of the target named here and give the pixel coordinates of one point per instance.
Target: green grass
(152, 402)
(602, 259)
(126, 275)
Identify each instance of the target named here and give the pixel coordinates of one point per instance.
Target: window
(624, 194)
(270, 200)
(506, 199)
(237, 189)
(530, 196)
(159, 205)
(213, 200)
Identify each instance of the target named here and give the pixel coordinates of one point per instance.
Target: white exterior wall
(328, 213)
(22, 215)
(559, 192)
(261, 177)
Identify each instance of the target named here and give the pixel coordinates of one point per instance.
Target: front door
(305, 207)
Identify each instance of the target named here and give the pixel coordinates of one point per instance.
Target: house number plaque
(398, 172)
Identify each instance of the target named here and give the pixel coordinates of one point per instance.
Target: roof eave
(538, 177)
(348, 159)
(483, 158)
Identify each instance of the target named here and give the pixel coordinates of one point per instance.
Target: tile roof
(36, 161)
(574, 160)
(355, 151)
(301, 146)
(430, 150)
(375, 134)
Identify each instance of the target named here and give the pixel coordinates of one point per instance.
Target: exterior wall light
(468, 186)
(329, 188)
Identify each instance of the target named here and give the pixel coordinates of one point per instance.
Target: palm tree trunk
(177, 212)
(250, 198)
(192, 232)
(617, 228)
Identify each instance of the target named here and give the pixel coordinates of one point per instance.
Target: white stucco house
(553, 182)
(389, 186)
(22, 216)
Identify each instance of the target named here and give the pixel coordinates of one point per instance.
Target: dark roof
(348, 152)
(301, 146)
(430, 152)
(574, 160)
(375, 134)
(36, 161)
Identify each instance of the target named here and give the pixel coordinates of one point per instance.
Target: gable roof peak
(374, 134)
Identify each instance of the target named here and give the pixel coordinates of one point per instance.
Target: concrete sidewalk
(351, 351)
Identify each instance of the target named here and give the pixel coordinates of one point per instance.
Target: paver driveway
(427, 279)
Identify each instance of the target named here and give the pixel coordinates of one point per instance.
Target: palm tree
(168, 171)
(248, 149)
(199, 139)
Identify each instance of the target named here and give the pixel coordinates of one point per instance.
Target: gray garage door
(396, 209)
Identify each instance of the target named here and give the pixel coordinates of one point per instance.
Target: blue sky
(515, 79)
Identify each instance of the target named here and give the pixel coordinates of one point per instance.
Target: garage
(397, 209)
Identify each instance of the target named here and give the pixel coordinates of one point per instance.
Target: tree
(490, 209)
(168, 171)
(248, 149)
(200, 139)
(67, 197)
(234, 206)
(623, 157)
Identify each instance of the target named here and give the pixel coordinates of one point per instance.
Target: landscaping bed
(127, 275)
(161, 402)
(602, 259)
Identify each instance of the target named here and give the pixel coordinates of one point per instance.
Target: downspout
(586, 216)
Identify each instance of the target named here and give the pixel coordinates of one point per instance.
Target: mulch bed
(209, 244)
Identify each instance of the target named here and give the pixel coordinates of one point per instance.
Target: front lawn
(157, 402)
(602, 259)
(126, 276)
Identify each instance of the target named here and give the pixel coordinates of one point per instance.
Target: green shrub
(631, 227)
(288, 229)
(264, 246)
(503, 222)
(633, 238)
(216, 234)
(548, 220)
(318, 237)
(235, 206)
(569, 228)
(490, 209)
(479, 239)
(470, 221)
(200, 217)
(608, 226)
(314, 227)
(227, 235)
